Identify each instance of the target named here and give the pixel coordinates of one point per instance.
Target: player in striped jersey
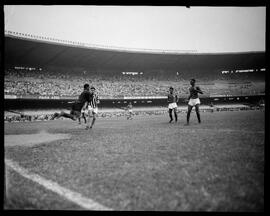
(92, 107)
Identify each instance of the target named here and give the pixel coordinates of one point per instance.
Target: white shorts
(172, 105)
(93, 110)
(193, 102)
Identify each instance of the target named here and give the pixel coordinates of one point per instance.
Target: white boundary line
(74, 197)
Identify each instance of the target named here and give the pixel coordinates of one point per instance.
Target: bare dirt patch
(29, 140)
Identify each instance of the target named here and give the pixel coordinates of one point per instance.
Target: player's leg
(93, 120)
(61, 114)
(70, 115)
(55, 115)
(188, 113)
(88, 118)
(83, 115)
(170, 115)
(198, 112)
(175, 114)
(91, 114)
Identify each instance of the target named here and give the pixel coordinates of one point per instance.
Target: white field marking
(74, 197)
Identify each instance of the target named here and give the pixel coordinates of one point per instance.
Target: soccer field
(140, 164)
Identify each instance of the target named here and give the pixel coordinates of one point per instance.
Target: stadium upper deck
(28, 50)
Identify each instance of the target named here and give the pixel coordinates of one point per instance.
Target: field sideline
(143, 164)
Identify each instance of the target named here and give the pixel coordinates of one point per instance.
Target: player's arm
(176, 98)
(98, 101)
(189, 96)
(85, 105)
(199, 90)
(168, 99)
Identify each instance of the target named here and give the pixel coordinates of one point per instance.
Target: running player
(194, 100)
(129, 110)
(172, 100)
(76, 108)
(92, 107)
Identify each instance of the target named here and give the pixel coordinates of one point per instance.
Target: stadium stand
(48, 83)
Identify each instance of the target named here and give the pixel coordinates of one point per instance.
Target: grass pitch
(146, 163)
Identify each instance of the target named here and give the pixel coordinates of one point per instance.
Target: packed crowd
(48, 83)
(22, 118)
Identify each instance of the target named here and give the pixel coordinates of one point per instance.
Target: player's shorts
(84, 111)
(93, 110)
(193, 102)
(172, 105)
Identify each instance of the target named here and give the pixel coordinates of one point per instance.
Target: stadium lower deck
(142, 164)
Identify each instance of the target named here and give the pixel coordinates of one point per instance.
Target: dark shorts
(75, 113)
(76, 109)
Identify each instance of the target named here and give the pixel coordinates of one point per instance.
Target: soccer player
(261, 104)
(172, 100)
(194, 100)
(92, 107)
(76, 108)
(129, 110)
(212, 107)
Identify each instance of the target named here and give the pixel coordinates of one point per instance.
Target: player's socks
(199, 117)
(188, 116)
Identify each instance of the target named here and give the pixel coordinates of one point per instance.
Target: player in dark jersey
(194, 100)
(76, 108)
(92, 107)
(172, 101)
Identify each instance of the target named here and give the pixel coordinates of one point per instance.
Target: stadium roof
(45, 52)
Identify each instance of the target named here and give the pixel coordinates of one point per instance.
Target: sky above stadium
(204, 29)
